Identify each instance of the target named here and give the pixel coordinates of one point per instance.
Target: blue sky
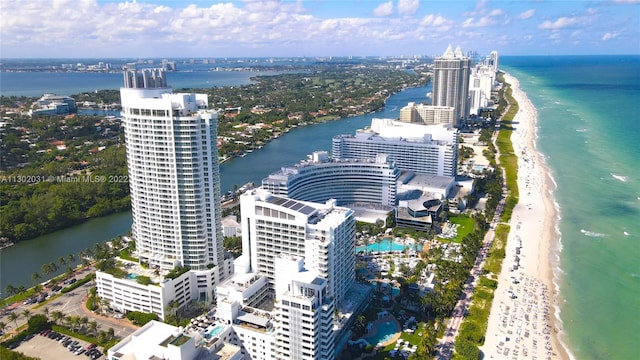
(248, 28)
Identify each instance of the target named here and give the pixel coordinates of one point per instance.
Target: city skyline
(156, 28)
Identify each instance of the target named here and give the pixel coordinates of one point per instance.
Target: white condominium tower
(323, 234)
(304, 313)
(451, 82)
(172, 158)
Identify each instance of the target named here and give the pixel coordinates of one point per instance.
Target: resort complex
(361, 250)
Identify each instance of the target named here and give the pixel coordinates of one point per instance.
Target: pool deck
(374, 330)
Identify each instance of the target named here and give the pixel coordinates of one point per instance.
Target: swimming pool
(385, 245)
(214, 331)
(385, 333)
(132, 276)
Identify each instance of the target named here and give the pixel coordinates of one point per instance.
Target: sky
(256, 28)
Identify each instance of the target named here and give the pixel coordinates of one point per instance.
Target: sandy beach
(522, 323)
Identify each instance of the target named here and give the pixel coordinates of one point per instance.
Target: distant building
(430, 150)
(51, 104)
(427, 114)
(451, 82)
(230, 226)
(481, 81)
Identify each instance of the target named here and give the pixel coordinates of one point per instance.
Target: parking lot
(43, 347)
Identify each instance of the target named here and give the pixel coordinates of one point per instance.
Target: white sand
(522, 326)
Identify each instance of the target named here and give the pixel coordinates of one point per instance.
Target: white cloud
(384, 9)
(625, 1)
(408, 7)
(561, 22)
(610, 36)
(526, 14)
(435, 20)
(481, 22)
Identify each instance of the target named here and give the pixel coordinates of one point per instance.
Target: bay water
(588, 131)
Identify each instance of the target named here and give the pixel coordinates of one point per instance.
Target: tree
(93, 327)
(111, 333)
(11, 290)
(35, 277)
(14, 317)
(62, 261)
(57, 316)
(83, 321)
(70, 258)
(26, 313)
(37, 322)
(46, 269)
(3, 327)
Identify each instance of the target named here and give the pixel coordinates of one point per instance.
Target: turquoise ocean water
(589, 134)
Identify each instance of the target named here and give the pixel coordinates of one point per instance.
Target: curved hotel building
(365, 181)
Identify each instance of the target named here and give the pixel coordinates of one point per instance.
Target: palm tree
(35, 277)
(71, 258)
(62, 261)
(26, 313)
(93, 327)
(21, 289)
(11, 290)
(46, 269)
(83, 321)
(14, 317)
(3, 327)
(111, 333)
(45, 311)
(53, 266)
(57, 316)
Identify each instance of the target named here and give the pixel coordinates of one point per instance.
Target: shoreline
(524, 319)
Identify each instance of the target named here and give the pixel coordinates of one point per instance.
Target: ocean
(588, 131)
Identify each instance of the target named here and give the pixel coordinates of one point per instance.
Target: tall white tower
(323, 234)
(172, 158)
(451, 82)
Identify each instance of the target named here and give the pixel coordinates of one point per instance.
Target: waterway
(19, 262)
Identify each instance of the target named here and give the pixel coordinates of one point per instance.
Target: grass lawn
(466, 227)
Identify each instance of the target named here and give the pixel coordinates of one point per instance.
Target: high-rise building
(492, 61)
(480, 86)
(304, 323)
(451, 82)
(324, 234)
(172, 161)
(422, 149)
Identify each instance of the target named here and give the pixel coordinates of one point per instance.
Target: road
(445, 345)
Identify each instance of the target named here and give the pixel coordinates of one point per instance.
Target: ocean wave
(591, 233)
(620, 177)
(581, 130)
